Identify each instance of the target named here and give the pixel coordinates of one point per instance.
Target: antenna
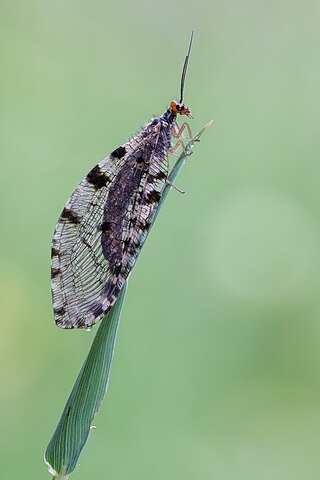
(185, 66)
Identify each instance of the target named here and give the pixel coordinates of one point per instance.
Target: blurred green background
(216, 372)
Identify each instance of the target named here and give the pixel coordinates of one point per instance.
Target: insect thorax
(167, 120)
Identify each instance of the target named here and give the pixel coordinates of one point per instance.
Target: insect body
(105, 222)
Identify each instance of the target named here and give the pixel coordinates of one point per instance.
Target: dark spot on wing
(115, 269)
(55, 272)
(140, 159)
(97, 310)
(160, 176)
(143, 224)
(105, 226)
(70, 216)
(119, 152)
(68, 411)
(97, 178)
(54, 252)
(153, 197)
(126, 244)
(60, 311)
(152, 177)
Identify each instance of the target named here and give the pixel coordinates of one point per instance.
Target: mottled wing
(103, 226)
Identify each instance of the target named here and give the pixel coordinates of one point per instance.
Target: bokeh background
(216, 373)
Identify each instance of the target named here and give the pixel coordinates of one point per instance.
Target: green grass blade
(88, 392)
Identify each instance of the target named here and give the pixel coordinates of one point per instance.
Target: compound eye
(177, 107)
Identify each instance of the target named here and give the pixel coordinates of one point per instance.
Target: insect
(105, 222)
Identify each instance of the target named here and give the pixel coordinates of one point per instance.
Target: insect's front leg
(177, 131)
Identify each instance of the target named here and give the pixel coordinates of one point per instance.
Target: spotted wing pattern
(103, 226)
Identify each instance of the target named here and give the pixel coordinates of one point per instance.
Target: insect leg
(179, 143)
(177, 131)
(167, 182)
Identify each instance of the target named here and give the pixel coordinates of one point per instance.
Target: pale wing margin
(78, 267)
